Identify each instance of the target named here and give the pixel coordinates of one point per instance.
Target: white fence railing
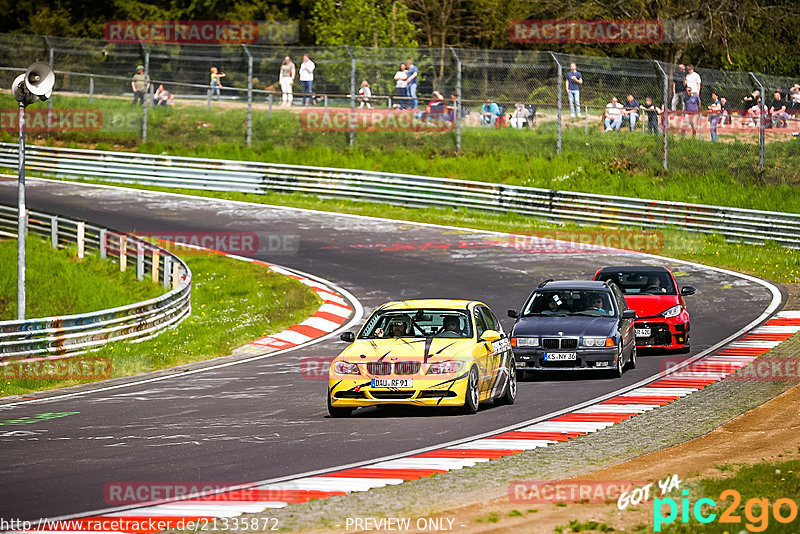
(750, 226)
(49, 336)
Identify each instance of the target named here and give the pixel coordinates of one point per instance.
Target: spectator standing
(411, 84)
(140, 83)
(631, 111)
(678, 87)
(400, 80)
(794, 98)
(452, 109)
(613, 115)
(692, 102)
(490, 111)
(715, 116)
(652, 112)
(307, 80)
(573, 85)
(693, 81)
(216, 82)
(780, 117)
(364, 94)
(286, 79)
(725, 107)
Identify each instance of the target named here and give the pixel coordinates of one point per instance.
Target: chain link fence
(477, 101)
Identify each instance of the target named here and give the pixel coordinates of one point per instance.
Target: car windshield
(419, 323)
(562, 302)
(641, 282)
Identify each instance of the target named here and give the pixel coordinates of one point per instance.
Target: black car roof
(575, 284)
(635, 269)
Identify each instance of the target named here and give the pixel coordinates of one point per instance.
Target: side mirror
(513, 314)
(349, 337)
(629, 314)
(490, 336)
(687, 290)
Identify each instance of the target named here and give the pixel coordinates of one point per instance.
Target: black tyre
(618, 368)
(472, 395)
(510, 394)
(632, 361)
(336, 411)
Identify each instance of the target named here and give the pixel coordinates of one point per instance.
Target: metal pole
(761, 127)
(91, 89)
(249, 95)
(22, 218)
(586, 119)
(560, 80)
(458, 101)
(352, 96)
(50, 100)
(666, 113)
(147, 92)
(269, 112)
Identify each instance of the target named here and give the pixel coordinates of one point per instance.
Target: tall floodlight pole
(36, 84)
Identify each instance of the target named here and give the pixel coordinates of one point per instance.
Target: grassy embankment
(233, 302)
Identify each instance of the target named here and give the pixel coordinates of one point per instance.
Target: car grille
(350, 395)
(392, 394)
(400, 368)
(379, 368)
(435, 393)
(659, 334)
(560, 343)
(406, 368)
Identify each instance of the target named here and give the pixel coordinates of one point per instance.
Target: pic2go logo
(756, 511)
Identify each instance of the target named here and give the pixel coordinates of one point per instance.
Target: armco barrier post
(103, 238)
(81, 239)
(54, 232)
(139, 260)
(167, 269)
(155, 262)
(91, 89)
(123, 252)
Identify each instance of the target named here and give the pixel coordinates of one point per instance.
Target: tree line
(757, 35)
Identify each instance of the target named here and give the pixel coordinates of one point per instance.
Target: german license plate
(392, 383)
(642, 332)
(559, 356)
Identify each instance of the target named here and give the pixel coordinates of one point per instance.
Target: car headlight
(452, 366)
(345, 368)
(672, 312)
(598, 342)
(524, 341)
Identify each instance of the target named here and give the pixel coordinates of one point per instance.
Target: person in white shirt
(400, 78)
(307, 79)
(364, 94)
(286, 79)
(693, 80)
(613, 115)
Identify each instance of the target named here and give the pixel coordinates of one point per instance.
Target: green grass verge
(56, 282)
(233, 302)
(765, 483)
(623, 163)
(770, 261)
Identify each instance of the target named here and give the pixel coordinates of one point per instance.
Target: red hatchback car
(662, 318)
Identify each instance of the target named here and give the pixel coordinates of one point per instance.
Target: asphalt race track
(263, 419)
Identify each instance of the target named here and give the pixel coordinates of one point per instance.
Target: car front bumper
(356, 392)
(586, 360)
(664, 333)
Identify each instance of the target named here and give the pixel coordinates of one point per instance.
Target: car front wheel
(510, 394)
(471, 395)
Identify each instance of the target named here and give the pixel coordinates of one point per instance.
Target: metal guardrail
(77, 333)
(749, 226)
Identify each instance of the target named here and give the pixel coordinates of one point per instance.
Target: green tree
(379, 23)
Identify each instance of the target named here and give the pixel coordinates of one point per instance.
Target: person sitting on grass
(162, 97)
(490, 112)
(613, 115)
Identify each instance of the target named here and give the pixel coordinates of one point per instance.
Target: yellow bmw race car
(424, 353)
